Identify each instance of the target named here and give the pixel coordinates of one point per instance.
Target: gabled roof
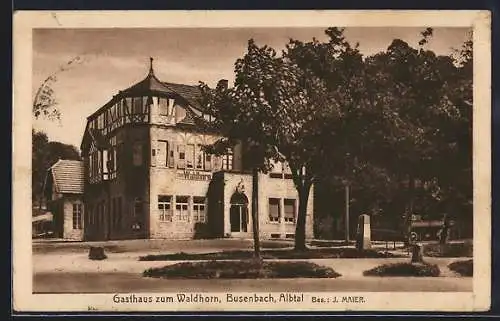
(189, 92)
(67, 176)
(93, 136)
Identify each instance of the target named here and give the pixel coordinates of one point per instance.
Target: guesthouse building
(146, 174)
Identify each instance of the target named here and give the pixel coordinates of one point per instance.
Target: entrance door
(238, 213)
(239, 217)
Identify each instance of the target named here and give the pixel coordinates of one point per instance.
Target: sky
(114, 59)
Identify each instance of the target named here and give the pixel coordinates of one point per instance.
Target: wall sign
(194, 175)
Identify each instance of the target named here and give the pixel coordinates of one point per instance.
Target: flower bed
(242, 269)
(404, 269)
(464, 268)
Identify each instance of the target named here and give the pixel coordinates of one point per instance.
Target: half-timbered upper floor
(118, 135)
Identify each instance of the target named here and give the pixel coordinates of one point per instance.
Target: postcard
(251, 161)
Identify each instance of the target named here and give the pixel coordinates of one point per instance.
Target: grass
(288, 254)
(463, 249)
(141, 245)
(464, 268)
(328, 243)
(241, 269)
(404, 269)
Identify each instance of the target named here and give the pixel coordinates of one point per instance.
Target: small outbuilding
(63, 190)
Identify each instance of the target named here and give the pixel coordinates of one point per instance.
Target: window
(91, 165)
(199, 214)
(181, 208)
(162, 153)
(171, 156)
(190, 156)
(100, 121)
(166, 106)
(153, 156)
(208, 162)
(112, 158)
(77, 216)
(289, 210)
(137, 154)
(274, 210)
(199, 157)
(99, 164)
(119, 110)
(105, 162)
(181, 149)
(137, 109)
(165, 208)
(127, 109)
(227, 160)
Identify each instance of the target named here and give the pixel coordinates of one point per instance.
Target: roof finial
(151, 71)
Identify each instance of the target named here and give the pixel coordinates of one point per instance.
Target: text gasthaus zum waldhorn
(235, 298)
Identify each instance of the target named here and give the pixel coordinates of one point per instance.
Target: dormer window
(137, 109)
(166, 106)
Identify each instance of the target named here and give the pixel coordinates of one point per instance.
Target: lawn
(288, 254)
(146, 245)
(241, 269)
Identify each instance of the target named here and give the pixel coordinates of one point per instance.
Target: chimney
(223, 83)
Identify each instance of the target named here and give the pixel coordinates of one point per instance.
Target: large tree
(422, 129)
(284, 107)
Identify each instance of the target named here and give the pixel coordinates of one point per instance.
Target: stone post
(364, 233)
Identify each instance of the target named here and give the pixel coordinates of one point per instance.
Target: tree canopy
(46, 153)
(396, 125)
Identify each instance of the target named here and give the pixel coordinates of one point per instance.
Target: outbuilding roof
(67, 176)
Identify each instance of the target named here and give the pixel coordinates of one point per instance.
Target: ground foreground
(129, 282)
(65, 268)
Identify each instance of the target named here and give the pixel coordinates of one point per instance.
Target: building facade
(147, 176)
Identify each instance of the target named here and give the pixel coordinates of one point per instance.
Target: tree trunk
(300, 228)
(409, 208)
(255, 213)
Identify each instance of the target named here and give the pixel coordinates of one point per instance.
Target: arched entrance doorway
(238, 213)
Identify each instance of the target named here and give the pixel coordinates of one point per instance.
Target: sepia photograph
(247, 161)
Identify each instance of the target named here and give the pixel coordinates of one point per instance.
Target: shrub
(97, 253)
(464, 268)
(404, 269)
(242, 269)
(202, 231)
(464, 249)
